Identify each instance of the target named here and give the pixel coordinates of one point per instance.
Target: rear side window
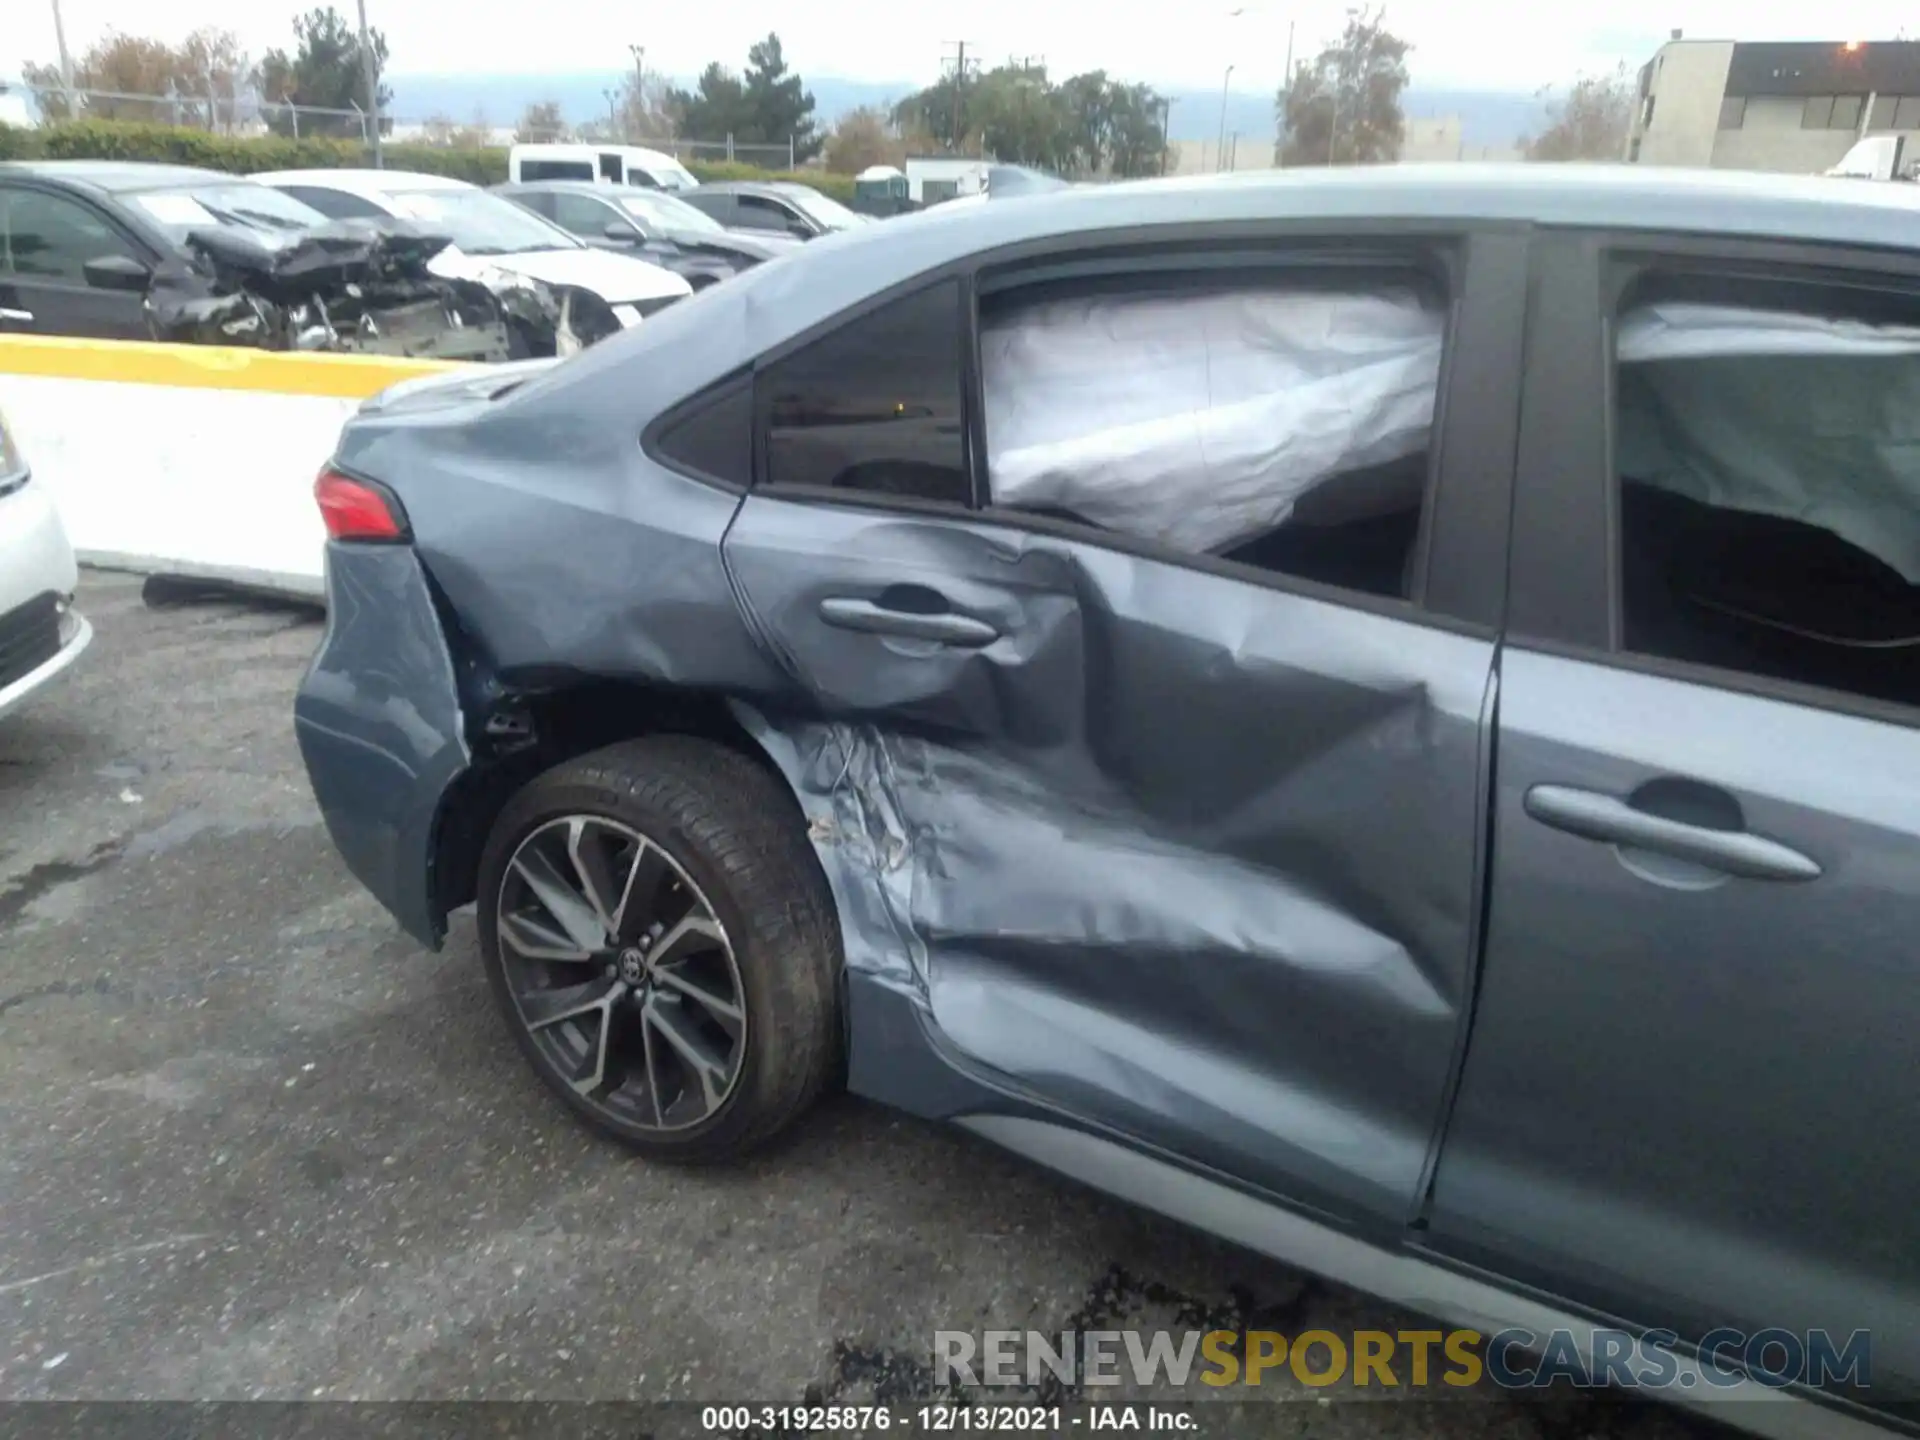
(874, 405)
(1284, 423)
(1766, 446)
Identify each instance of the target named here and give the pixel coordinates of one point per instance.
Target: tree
(325, 72)
(779, 106)
(193, 83)
(1137, 131)
(1343, 106)
(1089, 124)
(1591, 123)
(715, 108)
(862, 138)
(540, 121)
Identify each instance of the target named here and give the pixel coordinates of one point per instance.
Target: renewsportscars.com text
(1388, 1359)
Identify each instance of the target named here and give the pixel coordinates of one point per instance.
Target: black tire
(737, 834)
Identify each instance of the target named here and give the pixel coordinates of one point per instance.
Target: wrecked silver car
(1371, 712)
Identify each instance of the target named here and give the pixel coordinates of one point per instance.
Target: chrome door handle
(1595, 816)
(945, 627)
(24, 317)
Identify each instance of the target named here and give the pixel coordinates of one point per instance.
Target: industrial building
(1794, 107)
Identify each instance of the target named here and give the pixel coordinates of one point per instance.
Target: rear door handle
(944, 626)
(23, 317)
(1595, 816)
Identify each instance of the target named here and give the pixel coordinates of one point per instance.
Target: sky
(1470, 44)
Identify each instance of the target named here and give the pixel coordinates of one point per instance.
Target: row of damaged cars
(359, 261)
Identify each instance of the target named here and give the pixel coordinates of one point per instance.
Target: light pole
(370, 68)
(1166, 130)
(639, 82)
(66, 62)
(1220, 145)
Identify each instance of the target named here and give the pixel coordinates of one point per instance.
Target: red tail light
(358, 509)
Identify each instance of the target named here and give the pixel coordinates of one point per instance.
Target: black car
(783, 207)
(123, 251)
(662, 228)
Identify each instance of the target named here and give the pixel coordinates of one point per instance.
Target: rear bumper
(78, 634)
(380, 730)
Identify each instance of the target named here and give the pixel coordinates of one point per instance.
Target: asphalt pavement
(257, 1144)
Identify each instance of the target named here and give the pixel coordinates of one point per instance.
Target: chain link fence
(245, 112)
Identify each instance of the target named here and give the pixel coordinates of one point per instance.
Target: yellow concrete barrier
(189, 459)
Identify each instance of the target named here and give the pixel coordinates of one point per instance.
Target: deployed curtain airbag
(1199, 420)
(1775, 413)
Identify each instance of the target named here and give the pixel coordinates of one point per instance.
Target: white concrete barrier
(187, 459)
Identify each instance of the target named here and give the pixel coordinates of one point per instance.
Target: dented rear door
(1185, 851)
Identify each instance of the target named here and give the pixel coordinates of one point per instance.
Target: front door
(1183, 844)
(1692, 1098)
(48, 240)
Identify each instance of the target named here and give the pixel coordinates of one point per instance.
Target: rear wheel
(661, 943)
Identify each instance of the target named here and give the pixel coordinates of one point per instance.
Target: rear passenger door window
(1283, 423)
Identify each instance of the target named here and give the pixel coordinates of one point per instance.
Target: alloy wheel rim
(621, 973)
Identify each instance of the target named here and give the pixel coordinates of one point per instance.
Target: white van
(601, 164)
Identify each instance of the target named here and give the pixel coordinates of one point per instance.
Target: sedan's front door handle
(1595, 816)
(943, 627)
(22, 317)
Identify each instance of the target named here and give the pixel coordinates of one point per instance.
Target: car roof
(570, 187)
(110, 177)
(370, 183)
(742, 187)
(775, 303)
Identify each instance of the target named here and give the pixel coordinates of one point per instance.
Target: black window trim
(1563, 592)
(140, 245)
(1476, 494)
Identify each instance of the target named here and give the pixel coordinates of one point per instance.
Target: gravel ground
(256, 1144)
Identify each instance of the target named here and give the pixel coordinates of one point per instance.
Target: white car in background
(41, 634)
(599, 291)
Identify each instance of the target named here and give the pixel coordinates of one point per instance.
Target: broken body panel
(353, 286)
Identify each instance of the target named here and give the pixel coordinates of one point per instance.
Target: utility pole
(66, 63)
(370, 67)
(1220, 144)
(959, 91)
(639, 85)
(1286, 108)
(1166, 130)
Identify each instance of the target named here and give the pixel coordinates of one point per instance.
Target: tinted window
(334, 204)
(756, 212)
(49, 237)
(1767, 443)
(1282, 425)
(555, 170)
(875, 405)
(582, 214)
(714, 435)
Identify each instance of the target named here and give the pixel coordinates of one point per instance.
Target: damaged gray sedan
(1369, 712)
